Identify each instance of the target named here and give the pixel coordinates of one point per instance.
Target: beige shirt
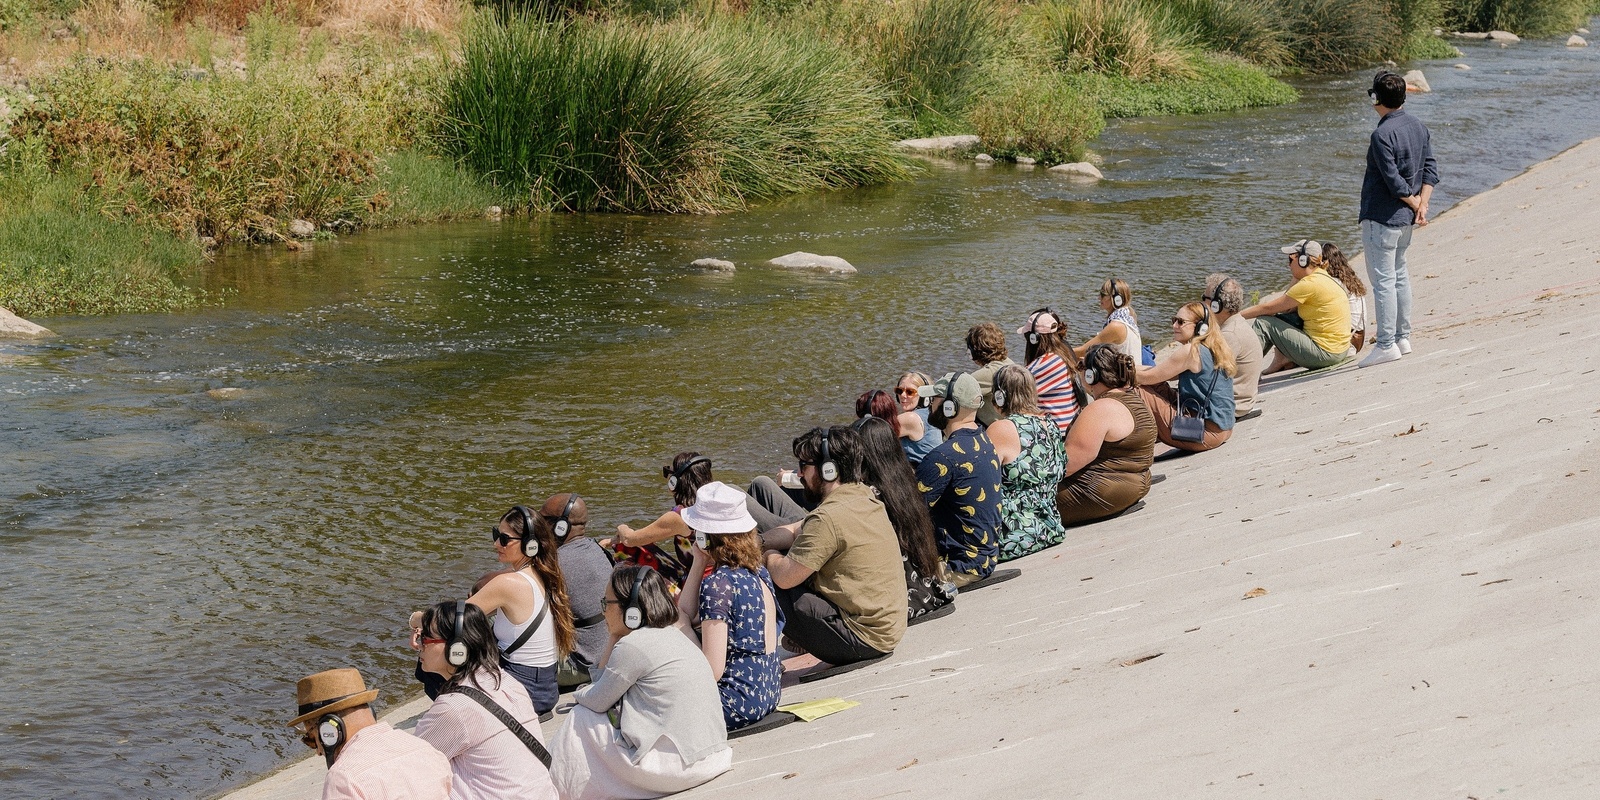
(1241, 338)
(850, 544)
(985, 378)
(381, 763)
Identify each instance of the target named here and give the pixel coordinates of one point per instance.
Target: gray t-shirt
(586, 569)
(664, 683)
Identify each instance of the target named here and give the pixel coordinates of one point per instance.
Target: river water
(173, 562)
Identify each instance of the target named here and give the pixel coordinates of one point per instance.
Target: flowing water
(173, 561)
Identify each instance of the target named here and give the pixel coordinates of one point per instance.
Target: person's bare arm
(786, 572)
(1273, 305)
(780, 538)
(665, 527)
(1007, 442)
(911, 426)
(1114, 332)
(1176, 363)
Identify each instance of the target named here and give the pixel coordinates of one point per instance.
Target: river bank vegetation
(138, 136)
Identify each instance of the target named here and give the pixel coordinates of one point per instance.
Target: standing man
(367, 759)
(960, 480)
(1399, 181)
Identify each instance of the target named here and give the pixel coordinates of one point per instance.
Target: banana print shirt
(961, 481)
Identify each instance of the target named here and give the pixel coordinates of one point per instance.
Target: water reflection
(177, 560)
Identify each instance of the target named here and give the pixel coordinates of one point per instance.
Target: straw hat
(331, 691)
(719, 508)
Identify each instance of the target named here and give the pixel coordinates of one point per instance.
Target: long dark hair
(477, 633)
(548, 570)
(1052, 342)
(880, 404)
(884, 467)
(689, 480)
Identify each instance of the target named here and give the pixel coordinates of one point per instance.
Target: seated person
(1224, 298)
(1111, 445)
(1053, 365)
(366, 758)
(1032, 457)
(884, 467)
(487, 759)
(879, 403)
(651, 723)
(986, 344)
(1309, 325)
(1121, 329)
(585, 568)
(960, 480)
(734, 605)
(838, 572)
(917, 437)
(1338, 268)
(1200, 361)
(664, 544)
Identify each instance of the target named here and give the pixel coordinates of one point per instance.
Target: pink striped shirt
(1056, 398)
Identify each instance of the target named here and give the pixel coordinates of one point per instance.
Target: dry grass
(393, 16)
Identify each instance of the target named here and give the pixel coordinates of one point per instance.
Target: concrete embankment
(1423, 533)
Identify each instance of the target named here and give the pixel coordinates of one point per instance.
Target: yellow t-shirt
(1325, 309)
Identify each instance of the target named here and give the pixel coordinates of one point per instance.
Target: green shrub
(412, 186)
(1222, 83)
(1244, 28)
(1328, 36)
(931, 54)
(1113, 37)
(1524, 17)
(1035, 113)
(617, 116)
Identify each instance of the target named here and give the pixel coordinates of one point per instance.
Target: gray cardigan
(666, 689)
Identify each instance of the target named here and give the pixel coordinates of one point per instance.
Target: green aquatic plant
(1221, 83)
(1328, 36)
(1524, 17)
(1248, 29)
(1125, 38)
(931, 54)
(1035, 113)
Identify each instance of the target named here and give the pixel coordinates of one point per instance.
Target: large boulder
(15, 327)
(939, 144)
(302, 228)
(1416, 82)
(803, 260)
(1504, 36)
(1576, 41)
(712, 264)
(1470, 35)
(1078, 170)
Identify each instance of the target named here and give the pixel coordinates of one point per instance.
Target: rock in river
(15, 327)
(302, 228)
(712, 264)
(1576, 41)
(1079, 170)
(1416, 82)
(1504, 36)
(939, 144)
(802, 260)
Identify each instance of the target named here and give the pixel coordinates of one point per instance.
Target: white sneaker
(1405, 346)
(1381, 355)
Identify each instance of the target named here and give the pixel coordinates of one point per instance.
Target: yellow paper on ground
(817, 709)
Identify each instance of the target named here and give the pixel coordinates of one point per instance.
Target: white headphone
(999, 397)
(457, 654)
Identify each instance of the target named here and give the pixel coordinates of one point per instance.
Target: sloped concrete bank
(1423, 533)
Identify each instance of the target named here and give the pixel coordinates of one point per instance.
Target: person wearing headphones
(651, 723)
(986, 344)
(917, 437)
(1053, 365)
(838, 572)
(1308, 325)
(1203, 365)
(482, 720)
(1121, 329)
(960, 480)
(367, 759)
(1032, 456)
(532, 613)
(585, 568)
(734, 604)
(1224, 298)
(1111, 445)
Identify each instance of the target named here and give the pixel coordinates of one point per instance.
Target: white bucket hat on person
(719, 508)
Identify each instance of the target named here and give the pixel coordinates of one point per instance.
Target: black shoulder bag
(1189, 425)
(510, 722)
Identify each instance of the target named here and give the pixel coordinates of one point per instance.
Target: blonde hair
(1221, 353)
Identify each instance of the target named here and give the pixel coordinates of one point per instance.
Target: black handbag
(1189, 425)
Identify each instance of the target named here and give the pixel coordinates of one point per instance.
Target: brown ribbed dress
(1119, 476)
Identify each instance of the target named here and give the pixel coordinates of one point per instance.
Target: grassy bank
(140, 136)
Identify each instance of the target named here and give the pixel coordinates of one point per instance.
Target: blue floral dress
(752, 679)
(1029, 520)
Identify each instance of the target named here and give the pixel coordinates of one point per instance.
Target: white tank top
(1131, 344)
(540, 649)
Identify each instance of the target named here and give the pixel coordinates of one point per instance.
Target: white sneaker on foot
(1381, 355)
(1405, 346)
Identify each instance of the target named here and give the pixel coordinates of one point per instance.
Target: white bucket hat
(719, 508)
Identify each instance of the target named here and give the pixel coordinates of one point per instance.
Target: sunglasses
(904, 391)
(501, 538)
(418, 641)
(1179, 322)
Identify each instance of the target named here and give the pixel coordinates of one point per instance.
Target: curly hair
(986, 343)
(1339, 269)
(1113, 368)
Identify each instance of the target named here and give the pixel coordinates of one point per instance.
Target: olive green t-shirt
(850, 545)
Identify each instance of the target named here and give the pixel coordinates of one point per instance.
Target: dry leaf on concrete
(1256, 592)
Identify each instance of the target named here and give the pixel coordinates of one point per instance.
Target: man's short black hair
(844, 447)
(1388, 89)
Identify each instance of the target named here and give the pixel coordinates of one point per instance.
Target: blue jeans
(1385, 248)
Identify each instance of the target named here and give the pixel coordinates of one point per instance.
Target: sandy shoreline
(1421, 530)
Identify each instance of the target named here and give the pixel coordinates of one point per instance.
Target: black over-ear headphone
(530, 543)
(330, 732)
(861, 422)
(563, 524)
(633, 610)
(1117, 300)
(1033, 319)
(829, 470)
(456, 655)
(673, 475)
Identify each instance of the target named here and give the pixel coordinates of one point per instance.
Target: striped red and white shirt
(1056, 397)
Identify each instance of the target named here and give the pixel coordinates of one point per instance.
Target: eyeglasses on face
(418, 641)
(501, 538)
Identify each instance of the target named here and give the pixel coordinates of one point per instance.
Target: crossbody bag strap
(527, 633)
(1202, 402)
(587, 621)
(510, 722)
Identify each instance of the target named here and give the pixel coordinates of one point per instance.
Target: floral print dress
(751, 681)
(1029, 521)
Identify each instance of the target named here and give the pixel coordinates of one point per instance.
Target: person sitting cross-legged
(1309, 324)
(1224, 298)
(961, 481)
(1203, 364)
(838, 571)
